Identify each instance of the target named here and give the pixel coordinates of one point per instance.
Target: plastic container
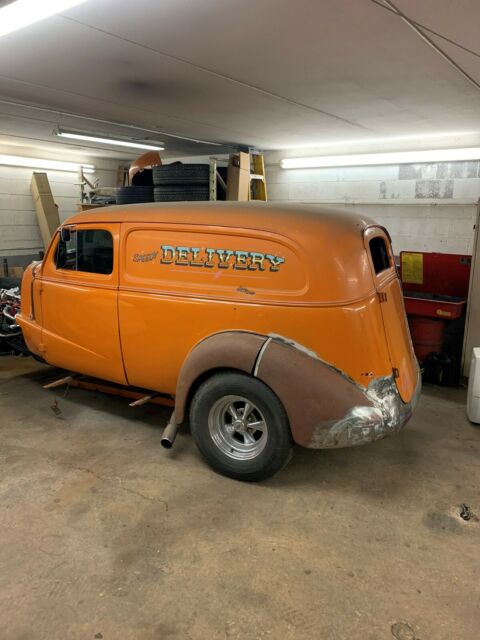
(427, 335)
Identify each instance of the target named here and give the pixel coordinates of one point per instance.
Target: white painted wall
(19, 231)
(446, 228)
(428, 207)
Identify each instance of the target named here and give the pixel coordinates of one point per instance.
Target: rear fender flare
(226, 350)
(314, 393)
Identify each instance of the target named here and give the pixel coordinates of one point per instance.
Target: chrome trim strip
(260, 356)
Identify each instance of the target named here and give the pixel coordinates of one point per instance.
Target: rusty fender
(325, 407)
(227, 349)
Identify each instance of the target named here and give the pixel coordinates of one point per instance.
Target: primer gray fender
(313, 392)
(225, 350)
(325, 407)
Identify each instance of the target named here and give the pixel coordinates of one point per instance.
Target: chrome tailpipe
(169, 433)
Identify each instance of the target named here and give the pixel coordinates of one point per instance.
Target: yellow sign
(412, 267)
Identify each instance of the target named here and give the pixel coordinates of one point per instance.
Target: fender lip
(235, 349)
(363, 424)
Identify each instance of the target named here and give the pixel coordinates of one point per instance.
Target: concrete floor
(105, 535)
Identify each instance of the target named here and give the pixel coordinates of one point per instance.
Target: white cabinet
(473, 397)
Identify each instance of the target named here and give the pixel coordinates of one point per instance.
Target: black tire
(180, 193)
(134, 194)
(143, 178)
(182, 174)
(277, 447)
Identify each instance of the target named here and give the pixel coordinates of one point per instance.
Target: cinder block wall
(20, 239)
(425, 207)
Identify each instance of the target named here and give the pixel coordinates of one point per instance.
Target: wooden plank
(144, 400)
(238, 177)
(47, 210)
(124, 392)
(59, 382)
(85, 206)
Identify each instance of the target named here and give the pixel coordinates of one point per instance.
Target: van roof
(293, 220)
(330, 242)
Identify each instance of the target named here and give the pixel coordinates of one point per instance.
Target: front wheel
(241, 427)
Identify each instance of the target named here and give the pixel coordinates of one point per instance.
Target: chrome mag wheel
(237, 427)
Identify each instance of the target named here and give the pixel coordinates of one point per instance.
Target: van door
(79, 291)
(395, 323)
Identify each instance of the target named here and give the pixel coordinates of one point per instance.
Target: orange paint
(182, 273)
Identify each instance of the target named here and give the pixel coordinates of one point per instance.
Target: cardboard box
(47, 210)
(238, 177)
(85, 206)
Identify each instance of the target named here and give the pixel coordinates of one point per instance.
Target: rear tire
(252, 447)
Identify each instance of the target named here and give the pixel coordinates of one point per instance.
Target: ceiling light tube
(418, 137)
(21, 13)
(110, 141)
(39, 163)
(397, 157)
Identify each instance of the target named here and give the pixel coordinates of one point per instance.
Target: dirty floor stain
(105, 535)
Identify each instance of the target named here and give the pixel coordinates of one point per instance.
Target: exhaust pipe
(169, 434)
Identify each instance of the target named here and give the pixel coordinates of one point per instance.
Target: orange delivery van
(268, 325)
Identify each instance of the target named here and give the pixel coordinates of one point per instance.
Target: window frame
(374, 231)
(50, 273)
(76, 231)
(381, 254)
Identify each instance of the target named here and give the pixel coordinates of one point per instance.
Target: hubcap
(237, 427)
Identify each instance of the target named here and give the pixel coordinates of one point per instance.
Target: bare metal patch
(260, 356)
(364, 424)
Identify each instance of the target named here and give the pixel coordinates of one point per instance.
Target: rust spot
(245, 290)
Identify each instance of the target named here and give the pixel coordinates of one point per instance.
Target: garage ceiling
(270, 74)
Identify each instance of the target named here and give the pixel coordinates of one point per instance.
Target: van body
(301, 304)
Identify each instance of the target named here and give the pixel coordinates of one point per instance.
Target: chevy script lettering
(213, 258)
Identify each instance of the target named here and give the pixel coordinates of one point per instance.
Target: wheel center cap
(238, 425)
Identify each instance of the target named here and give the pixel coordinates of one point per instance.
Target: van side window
(380, 255)
(90, 251)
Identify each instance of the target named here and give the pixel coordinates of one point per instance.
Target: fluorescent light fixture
(397, 157)
(419, 137)
(109, 141)
(38, 163)
(21, 13)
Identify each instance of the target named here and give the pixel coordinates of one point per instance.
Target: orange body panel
(185, 272)
(348, 337)
(397, 334)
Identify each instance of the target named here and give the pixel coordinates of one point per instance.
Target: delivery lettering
(213, 258)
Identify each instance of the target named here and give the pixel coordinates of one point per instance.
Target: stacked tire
(134, 194)
(178, 182)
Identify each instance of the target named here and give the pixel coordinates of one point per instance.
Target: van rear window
(380, 255)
